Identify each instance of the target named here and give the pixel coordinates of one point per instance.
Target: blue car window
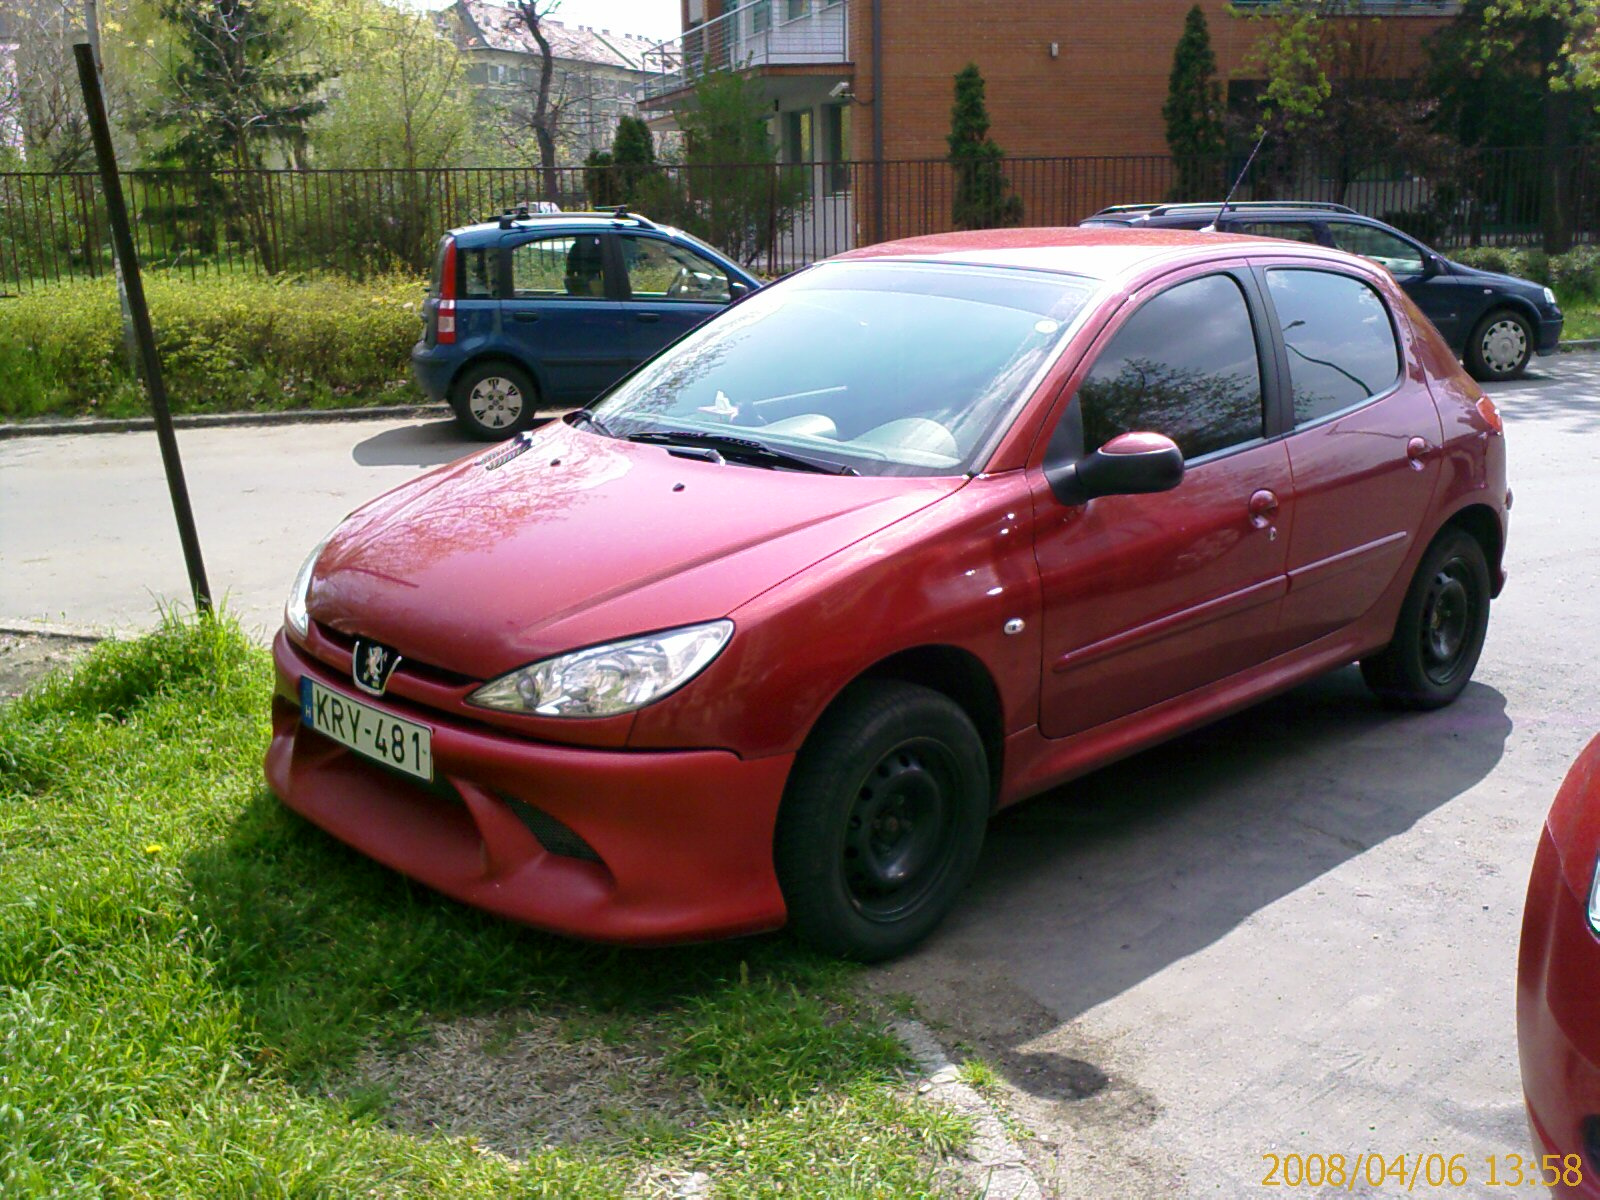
(1395, 254)
(568, 266)
(659, 270)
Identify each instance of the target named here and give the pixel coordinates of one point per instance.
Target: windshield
(885, 368)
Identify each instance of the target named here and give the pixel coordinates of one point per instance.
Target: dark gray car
(1496, 323)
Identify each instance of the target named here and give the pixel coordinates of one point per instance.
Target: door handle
(647, 318)
(1263, 507)
(1416, 450)
(525, 317)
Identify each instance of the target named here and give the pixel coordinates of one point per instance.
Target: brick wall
(1102, 94)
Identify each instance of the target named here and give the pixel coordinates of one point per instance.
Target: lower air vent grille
(552, 834)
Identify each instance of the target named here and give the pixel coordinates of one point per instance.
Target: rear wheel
(882, 820)
(1500, 346)
(1442, 624)
(494, 400)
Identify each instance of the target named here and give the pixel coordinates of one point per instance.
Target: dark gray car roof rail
(1161, 210)
(512, 216)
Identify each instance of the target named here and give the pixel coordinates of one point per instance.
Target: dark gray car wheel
(882, 820)
(1500, 346)
(494, 400)
(1439, 636)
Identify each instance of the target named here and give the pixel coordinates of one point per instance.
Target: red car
(767, 633)
(1558, 985)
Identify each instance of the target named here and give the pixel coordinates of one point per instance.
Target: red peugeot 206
(766, 633)
(1558, 986)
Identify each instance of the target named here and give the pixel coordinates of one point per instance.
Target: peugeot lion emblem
(371, 666)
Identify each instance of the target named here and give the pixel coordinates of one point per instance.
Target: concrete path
(86, 530)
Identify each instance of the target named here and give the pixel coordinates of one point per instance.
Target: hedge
(228, 344)
(1573, 276)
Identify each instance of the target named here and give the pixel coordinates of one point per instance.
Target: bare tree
(545, 104)
(38, 95)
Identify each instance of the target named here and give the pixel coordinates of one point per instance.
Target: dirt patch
(27, 657)
(520, 1083)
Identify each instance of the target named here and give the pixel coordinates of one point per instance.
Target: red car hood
(583, 539)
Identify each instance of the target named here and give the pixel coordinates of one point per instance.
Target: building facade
(598, 72)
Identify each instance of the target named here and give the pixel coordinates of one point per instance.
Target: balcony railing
(761, 33)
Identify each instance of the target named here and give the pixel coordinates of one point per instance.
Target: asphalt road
(1292, 933)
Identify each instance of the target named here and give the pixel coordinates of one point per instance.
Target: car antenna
(1245, 170)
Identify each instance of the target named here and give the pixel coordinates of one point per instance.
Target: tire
(1439, 636)
(882, 820)
(494, 400)
(1500, 346)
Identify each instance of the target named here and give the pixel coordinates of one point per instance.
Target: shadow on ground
(1564, 391)
(425, 444)
(1095, 887)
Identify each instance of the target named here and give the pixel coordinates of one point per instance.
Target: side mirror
(1130, 464)
(737, 291)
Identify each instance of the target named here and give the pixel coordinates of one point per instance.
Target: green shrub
(228, 343)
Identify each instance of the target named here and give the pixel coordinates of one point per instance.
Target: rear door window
(1184, 365)
(1294, 231)
(564, 267)
(1340, 339)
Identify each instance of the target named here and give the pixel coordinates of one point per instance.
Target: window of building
(659, 270)
(1397, 255)
(835, 146)
(761, 16)
(555, 267)
(1341, 343)
(797, 137)
(793, 10)
(1184, 365)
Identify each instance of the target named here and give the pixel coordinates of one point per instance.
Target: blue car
(542, 310)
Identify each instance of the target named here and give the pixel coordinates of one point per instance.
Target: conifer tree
(980, 199)
(1193, 112)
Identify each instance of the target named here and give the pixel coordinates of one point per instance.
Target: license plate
(370, 732)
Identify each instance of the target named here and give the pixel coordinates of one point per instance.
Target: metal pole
(122, 238)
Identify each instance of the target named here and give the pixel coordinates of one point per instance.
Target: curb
(996, 1165)
(298, 416)
(1578, 345)
(75, 633)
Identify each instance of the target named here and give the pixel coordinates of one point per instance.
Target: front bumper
(1558, 1019)
(682, 839)
(1550, 334)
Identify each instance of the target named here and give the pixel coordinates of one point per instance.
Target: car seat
(585, 268)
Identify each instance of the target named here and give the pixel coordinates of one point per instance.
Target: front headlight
(603, 681)
(1549, 297)
(294, 610)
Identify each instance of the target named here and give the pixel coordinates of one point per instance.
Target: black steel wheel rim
(1448, 615)
(899, 834)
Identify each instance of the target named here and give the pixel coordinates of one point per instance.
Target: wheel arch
(953, 672)
(1483, 524)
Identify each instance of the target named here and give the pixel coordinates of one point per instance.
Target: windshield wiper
(743, 450)
(585, 417)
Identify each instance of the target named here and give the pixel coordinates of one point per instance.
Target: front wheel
(882, 820)
(494, 400)
(1500, 346)
(1442, 624)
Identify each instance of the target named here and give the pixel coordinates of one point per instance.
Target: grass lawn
(1583, 321)
(202, 995)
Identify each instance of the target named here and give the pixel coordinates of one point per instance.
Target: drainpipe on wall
(877, 120)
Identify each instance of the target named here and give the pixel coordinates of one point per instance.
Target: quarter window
(558, 267)
(1394, 254)
(1184, 365)
(1341, 343)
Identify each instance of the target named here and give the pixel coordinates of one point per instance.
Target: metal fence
(776, 218)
